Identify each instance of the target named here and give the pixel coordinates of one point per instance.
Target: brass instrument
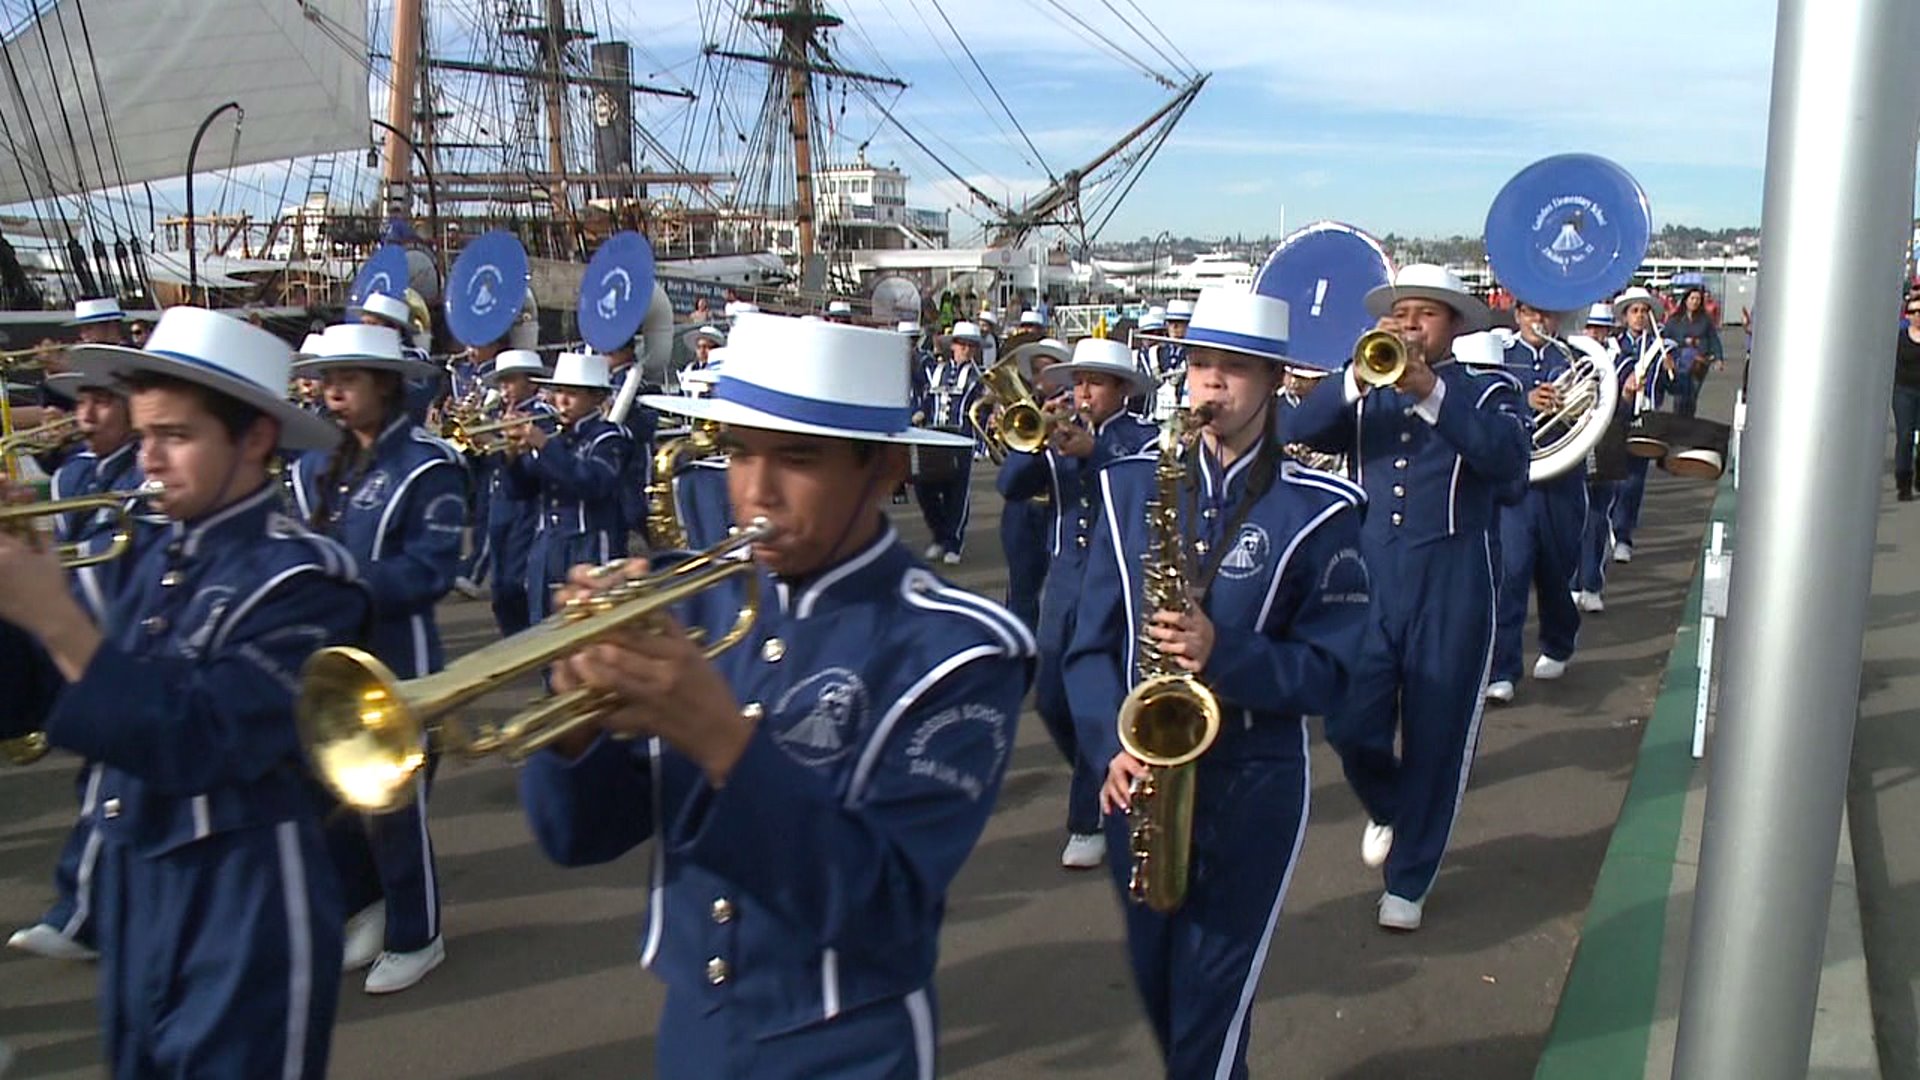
(25, 749)
(664, 527)
(1379, 358)
(43, 439)
(1169, 718)
(484, 438)
(368, 732)
(11, 358)
(1021, 424)
(21, 518)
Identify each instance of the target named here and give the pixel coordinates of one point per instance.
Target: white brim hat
(1482, 348)
(1100, 356)
(1238, 321)
(580, 371)
(965, 331)
(68, 384)
(1024, 354)
(515, 361)
(359, 345)
(106, 309)
(1636, 295)
(1425, 281)
(223, 354)
(380, 305)
(813, 378)
(711, 333)
(1179, 311)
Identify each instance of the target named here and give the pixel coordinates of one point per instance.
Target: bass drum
(1699, 448)
(1610, 457)
(1650, 435)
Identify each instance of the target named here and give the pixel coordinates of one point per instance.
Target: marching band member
(1031, 319)
(1596, 534)
(95, 322)
(510, 518)
(989, 325)
(425, 389)
(812, 793)
(700, 484)
(575, 476)
(1646, 352)
(1102, 376)
(1026, 519)
(641, 426)
(839, 311)
(1279, 602)
(217, 912)
(705, 340)
(1146, 356)
(395, 498)
(107, 461)
(1433, 452)
(1540, 535)
(952, 385)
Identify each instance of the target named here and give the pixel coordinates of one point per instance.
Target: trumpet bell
(367, 741)
(1379, 358)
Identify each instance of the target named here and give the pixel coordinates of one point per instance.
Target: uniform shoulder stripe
(922, 589)
(1339, 486)
(445, 448)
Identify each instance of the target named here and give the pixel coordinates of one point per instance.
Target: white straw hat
(223, 354)
(1429, 282)
(523, 361)
(586, 371)
(1179, 311)
(102, 310)
(1100, 356)
(360, 345)
(1636, 295)
(1236, 320)
(813, 378)
(965, 331)
(1025, 354)
(391, 308)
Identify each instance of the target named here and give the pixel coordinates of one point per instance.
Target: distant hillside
(1673, 241)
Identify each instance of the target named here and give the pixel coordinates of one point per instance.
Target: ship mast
(397, 178)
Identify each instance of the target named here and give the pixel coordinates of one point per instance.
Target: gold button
(716, 971)
(753, 710)
(723, 911)
(773, 650)
(171, 578)
(111, 808)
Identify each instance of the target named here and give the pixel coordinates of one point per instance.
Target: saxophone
(1169, 718)
(664, 527)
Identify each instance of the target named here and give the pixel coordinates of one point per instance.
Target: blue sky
(1314, 106)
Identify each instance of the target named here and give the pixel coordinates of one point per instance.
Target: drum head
(1568, 230)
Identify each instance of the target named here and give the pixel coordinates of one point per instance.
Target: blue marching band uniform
(576, 481)
(952, 386)
(511, 522)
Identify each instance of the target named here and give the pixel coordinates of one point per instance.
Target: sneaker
(951, 558)
(934, 551)
(1547, 669)
(1623, 553)
(1376, 842)
(1590, 602)
(1084, 851)
(41, 939)
(395, 971)
(468, 588)
(1399, 913)
(366, 936)
(1500, 691)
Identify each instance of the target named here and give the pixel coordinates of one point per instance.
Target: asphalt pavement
(542, 979)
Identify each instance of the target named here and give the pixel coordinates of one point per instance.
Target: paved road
(542, 982)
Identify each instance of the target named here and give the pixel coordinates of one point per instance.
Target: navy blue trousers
(892, 1039)
(1059, 604)
(1023, 536)
(1906, 433)
(221, 958)
(1626, 504)
(390, 856)
(1596, 535)
(1198, 968)
(72, 910)
(507, 544)
(479, 559)
(551, 555)
(946, 504)
(1539, 555)
(1419, 676)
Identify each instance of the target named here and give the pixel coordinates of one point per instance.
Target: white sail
(298, 68)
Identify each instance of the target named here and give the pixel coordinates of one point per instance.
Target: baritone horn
(24, 518)
(1379, 358)
(25, 749)
(1021, 425)
(368, 732)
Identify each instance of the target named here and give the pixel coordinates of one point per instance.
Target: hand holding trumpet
(1417, 379)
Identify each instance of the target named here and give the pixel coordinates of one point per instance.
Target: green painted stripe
(1602, 1024)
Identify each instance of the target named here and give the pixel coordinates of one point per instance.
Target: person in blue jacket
(699, 489)
(1278, 602)
(1096, 431)
(1603, 484)
(574, 476)
(217, 913)
(810, 794)
(952, 386)
(511, 519)
(1434, 452)
(396, 498)
(1691, 328)
(1647, 356)
(1540, 535)
(106, 461)
(428, 387)
(1026, 520)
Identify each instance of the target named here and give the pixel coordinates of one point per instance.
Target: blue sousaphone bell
(488, 290)
(1324, 272)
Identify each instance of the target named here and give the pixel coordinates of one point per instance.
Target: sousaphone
(1564, 232)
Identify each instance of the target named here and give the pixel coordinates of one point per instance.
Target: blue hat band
(1207, 335)
(872, 419)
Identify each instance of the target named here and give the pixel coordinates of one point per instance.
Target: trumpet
(488, 438)
(42, 439)
(12, 358)
(1379, 358)
(1021, 424)
(26, 749)
(20, 520)
(368, 732)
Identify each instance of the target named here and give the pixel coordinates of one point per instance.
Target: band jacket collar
(243, 517)
(872, 571)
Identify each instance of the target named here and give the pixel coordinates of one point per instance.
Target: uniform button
(1396, 517)
(171, 578)
(154, 625)
(1209, 513)
(111, 808)
(1200, 547)
(1080, 540)
(1399, 463)
(1406, 436)
(772, 650)
(723, 911)
(753, 710)
(1083, 523)
(716, 971)
(1085, 502)
(1399, 491)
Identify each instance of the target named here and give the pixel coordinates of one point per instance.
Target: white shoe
(951, 558)
(1501, 692)
(1623, 553)
(1547, 669)
(366, 936)
(41, 939)
(1084, 851)
(1398, 913)
(934, 551)
(1589, 602)
(395, 971)
(1376, 842)
(468, 588)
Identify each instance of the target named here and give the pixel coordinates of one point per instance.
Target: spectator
(1906, 399)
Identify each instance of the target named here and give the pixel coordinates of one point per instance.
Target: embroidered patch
(201, 620)
(1248, 555)
(372, 491)
(945, 748)
(1345, 580)
(821, 717)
